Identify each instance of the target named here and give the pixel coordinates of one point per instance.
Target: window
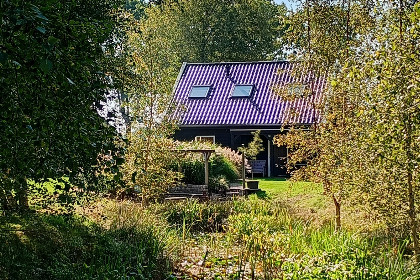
(242, 90)
(199, 91)
(207, 139)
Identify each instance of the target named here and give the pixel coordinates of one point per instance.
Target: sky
(289, 3)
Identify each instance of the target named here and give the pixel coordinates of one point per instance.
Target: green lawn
(301, 194)
(286, 188)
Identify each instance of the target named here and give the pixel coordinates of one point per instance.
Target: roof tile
(264, 107)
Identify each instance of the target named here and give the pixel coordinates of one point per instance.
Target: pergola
(206, 155)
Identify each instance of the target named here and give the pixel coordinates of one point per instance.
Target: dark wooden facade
(237, 136)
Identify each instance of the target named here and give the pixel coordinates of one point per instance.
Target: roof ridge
(237, 62)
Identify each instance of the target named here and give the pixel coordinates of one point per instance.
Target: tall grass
(194, 216)
(277, 245)
(36, 246)
(239, 239)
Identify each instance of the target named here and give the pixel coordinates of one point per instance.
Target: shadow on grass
(35, 246)
(262, 194)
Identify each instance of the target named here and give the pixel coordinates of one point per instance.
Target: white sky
(289, 3)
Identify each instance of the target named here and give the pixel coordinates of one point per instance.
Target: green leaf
(46, 65)
(16, 63)
(3, 57)
(38, 12)
(41, 29)
(52, 40)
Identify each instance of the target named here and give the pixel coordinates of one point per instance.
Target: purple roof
(264, 107)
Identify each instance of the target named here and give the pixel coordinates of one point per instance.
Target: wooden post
(269, 157)
(243, 170)
(206, 167)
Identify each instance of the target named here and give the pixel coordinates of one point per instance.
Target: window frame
(199, 86)
(243, 96)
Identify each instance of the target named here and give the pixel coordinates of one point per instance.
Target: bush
(233, 156)
(224, 166)
(218, 184)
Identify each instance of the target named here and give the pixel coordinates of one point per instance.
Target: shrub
(220, 165)
(224, 166)
(234, 157)
(218, 184)
(193, 171)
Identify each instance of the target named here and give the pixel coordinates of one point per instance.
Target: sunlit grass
(302, 194)
(285, 188)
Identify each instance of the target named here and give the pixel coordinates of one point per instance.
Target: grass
(281, 236)
(285, 188)
(41, 246)
(304, 198)
(264, 240)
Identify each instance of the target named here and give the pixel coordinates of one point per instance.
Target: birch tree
(150, 76)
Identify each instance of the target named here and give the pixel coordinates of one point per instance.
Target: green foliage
(220, 165)
(148, 82)
(52, 77)
(254, 147)
(192, 170)
(210, 30)
(218, 184)
(223, 166)
(364, 148)
(68, 247)
(193, 216)
(233, 156)
(278, 245)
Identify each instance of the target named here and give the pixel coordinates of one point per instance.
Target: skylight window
(242, 90)
(199, 91)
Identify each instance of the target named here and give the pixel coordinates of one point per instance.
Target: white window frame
(242, 96)
(200, 86)
(199, 138)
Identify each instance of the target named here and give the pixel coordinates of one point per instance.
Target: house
(225, 102)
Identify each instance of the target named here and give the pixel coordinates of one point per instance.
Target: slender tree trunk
(412, 215)
(7, 200)
(22, 194)
(408, 149)
(411, 193)
(337, 205)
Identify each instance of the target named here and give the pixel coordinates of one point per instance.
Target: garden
(88, 155)
(285, 231)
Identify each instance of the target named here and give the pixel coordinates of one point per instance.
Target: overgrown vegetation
(250, 238)
(70, 184)
(73, 247)
(363, 147)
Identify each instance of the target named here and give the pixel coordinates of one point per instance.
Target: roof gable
(263, 107)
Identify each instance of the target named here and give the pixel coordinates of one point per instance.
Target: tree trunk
(412, 215)
(7, 200)
(22, 194)
(411, 193)
(337, 213)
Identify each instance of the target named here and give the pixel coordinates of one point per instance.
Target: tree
(254, 147)
(388, 74)
(148, 85)
(323, 35)
(52, 75)
(210, 30)
(365, 148)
